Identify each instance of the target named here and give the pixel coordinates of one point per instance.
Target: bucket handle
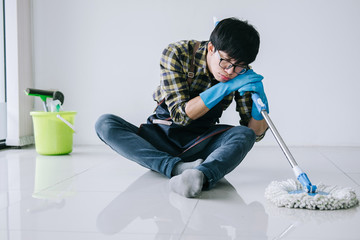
(66, 122)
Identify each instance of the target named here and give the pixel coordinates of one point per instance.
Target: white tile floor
(95, 194)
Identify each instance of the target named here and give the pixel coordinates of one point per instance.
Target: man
(199, 80)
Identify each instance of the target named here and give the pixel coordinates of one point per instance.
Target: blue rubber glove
(258, 88)
(215, 94)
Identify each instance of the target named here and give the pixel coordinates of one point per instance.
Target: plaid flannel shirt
(176, 91)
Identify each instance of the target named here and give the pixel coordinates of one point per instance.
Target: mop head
(327, 198)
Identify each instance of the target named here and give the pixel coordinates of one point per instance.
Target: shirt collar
(200, 59)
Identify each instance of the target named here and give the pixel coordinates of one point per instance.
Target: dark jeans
(222, 152)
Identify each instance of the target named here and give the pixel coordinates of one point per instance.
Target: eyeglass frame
(244, 68)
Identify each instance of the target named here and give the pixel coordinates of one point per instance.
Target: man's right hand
(250, 77)
(215, 94)
(200, 105)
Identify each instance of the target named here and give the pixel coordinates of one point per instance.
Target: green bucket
(53, 132)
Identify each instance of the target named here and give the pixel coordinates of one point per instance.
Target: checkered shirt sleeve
(173, 87)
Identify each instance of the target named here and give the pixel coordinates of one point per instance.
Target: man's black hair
(238, 39)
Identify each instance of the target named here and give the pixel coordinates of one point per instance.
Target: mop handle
(261, 107)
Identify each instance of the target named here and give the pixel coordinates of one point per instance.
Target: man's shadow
(220, 210)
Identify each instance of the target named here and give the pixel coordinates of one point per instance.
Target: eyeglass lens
(225, 64)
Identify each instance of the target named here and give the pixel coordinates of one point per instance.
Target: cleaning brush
(44, 94)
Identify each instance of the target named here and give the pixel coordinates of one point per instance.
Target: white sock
(188, 184)
(180, 167)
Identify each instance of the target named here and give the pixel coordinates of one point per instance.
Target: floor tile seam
(341, 170)
(64, 180)
(88, 232)
(114, 157)
(322, 147)
(10, 204)
(93, 166)
(354, 180)
(108, 161)
(94, 191)
(50, 231)
(188, 221)
(82, 231)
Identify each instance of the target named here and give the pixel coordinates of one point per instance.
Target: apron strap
(191, 73)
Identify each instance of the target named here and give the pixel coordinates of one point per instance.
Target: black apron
(167, 136)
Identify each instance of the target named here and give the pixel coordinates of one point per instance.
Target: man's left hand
(258, 88)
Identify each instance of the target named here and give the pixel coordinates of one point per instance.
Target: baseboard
(20, 142)
(2, 144)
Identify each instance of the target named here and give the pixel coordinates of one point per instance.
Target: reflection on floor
(95, 194)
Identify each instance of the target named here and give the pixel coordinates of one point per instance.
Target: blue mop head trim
(305, 182)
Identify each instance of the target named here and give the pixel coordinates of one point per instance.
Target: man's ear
(211, 48)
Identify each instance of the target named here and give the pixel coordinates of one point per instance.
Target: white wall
(104, 56)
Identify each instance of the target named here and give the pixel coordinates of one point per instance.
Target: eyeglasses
(225, 64)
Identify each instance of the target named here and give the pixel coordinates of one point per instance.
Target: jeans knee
(103, 123)
(249, 134)
(109, 125)
(243, 137)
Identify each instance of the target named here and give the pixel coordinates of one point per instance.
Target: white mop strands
(335, 197)
(290, 193)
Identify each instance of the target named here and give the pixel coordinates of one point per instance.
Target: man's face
(221, 66)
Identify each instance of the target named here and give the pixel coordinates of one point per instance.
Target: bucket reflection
(53, 182)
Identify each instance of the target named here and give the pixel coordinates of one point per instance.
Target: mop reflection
(220, 210)
(299, 220)
(52, 184)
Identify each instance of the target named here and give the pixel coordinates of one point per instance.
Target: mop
(301, 193)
